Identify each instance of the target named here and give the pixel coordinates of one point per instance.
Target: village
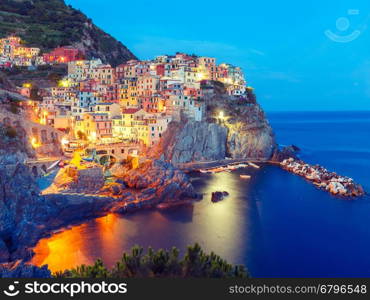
(119, 110)
(99, 115)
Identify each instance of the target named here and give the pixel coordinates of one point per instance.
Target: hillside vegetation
(161, 264)
(51, 23)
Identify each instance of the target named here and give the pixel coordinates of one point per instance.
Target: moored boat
(254, 165)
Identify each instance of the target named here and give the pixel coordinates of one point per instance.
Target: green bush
(161, 263)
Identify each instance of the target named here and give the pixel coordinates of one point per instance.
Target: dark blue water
(277, 224)
(338, 140)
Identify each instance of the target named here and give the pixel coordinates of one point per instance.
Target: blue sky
(282, 46)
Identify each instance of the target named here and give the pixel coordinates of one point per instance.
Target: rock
(200, 141)
(116, 189)
(285, 153)
(19, 269)
(157, 181)
(244, 134)
(91, 179)
(69, 178)
(4, 252)
(330, 181)
(218, 196)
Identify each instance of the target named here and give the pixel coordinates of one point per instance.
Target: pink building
(63, 55)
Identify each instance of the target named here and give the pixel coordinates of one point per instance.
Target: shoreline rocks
(323, 179)
(26, 216)
(219, 196)
(19, 269)
(153, 183)
(285, 153)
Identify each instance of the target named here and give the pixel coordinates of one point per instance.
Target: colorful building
(63, 55)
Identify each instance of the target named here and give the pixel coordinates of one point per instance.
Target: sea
(276, 223)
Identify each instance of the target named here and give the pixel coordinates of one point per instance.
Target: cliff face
(194, 141)
(249, 134)
(20, 207)
(51, 23)
(243, 133)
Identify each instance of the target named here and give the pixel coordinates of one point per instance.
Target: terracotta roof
(130, 110)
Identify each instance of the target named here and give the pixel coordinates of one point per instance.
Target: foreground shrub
(161, 263)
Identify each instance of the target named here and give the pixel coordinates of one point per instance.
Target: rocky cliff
(49, 24)
(249, 134)
(189, 141)
(159, 182)
(242, 133)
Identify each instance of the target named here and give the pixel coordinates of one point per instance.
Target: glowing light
(201, 76)
(64, 141)
(44, 116)
(92, 136)
(221, 115)
(34, 143)
(27, 85)
(64, 83)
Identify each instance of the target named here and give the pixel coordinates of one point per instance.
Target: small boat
(53, 165)
(245, 176)
(253, 165)
(242, 165)
(216, 170)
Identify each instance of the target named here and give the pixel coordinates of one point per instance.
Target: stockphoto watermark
(70, 289)
(344, 33)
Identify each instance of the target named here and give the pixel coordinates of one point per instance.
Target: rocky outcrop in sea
(324, 179)
(154, 182)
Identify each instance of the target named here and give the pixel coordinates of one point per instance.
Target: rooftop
(130, 110)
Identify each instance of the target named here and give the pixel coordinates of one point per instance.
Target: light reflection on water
(276, 223)
(219, 227)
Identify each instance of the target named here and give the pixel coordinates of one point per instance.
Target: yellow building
(95, 126)
(206, 68)
(131, 125)
(26, 52)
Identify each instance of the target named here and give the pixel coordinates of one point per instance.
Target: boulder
(218, 196)
(157, 181)
(285, 153)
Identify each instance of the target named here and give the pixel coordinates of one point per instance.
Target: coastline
(331, 182)
(75, 209)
